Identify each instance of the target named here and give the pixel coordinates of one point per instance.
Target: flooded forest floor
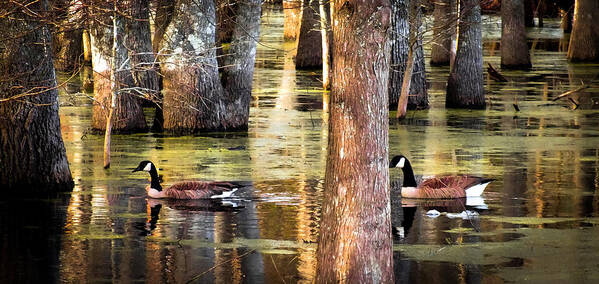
(539, 221)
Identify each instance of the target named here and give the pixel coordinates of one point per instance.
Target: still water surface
(538, 222)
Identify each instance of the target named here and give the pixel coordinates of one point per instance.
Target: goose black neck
(408, 175)
(154, 180)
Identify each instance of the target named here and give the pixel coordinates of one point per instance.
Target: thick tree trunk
(400, 46)
(355, 233)
(514, 48)
(32, 153)
(442, 32)
(195, 99)
(465, 86)
(309, 39)
(128, 115)
(144, 66)
(584, 40)
(191, 85)
(238, 73)
(292, 10)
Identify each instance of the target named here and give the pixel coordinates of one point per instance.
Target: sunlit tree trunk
(292, 12)
(584, 40)
(309, 39)
(465, 85)
(32, 153)
(195, 98)
(514, 49)
(442, 31)
(143, 62)
(325, 30)
(191, 86)
(238, 71)
(128, 115)
(355, 232)
(401, 31)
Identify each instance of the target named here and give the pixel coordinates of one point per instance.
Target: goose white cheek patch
(148, 167)
(401, 163)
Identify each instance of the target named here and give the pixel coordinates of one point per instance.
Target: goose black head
(145, 166)
(398, 162)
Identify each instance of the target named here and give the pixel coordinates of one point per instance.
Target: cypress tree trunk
(514, 49)
(292, 11)
(32, 153)
(355, 243)
(191, 85)
(584, 40)
(442, 31)
(238, 73)
(309, 39)
(144, 66)
(195, 99)
(325, 32)
(465, 86)
(400, 46)
(128, 115)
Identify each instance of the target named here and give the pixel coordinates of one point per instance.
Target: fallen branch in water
(571, 92)
(495, 75)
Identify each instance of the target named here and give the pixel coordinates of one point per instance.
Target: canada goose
(186, 189)
(454, 186)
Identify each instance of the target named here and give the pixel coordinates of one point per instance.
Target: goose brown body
(449, 186)
(195, 189)
(443, 187)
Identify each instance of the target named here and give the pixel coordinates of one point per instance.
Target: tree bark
(225, 17)
(194, 98)
(238, 71)
(514, 48)
(400, 46)
(144, 65)
(442, 31)
(292, 10)
(325, 31)
(309, 39)
(164, 15)
(128, 115)
(584, 40)
(355, 233)
(68, 35)
(465, 85)
(32, 153)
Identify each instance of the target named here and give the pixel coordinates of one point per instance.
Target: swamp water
(539, 221)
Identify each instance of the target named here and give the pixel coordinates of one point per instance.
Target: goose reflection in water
(420, 211)
(206, 205)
